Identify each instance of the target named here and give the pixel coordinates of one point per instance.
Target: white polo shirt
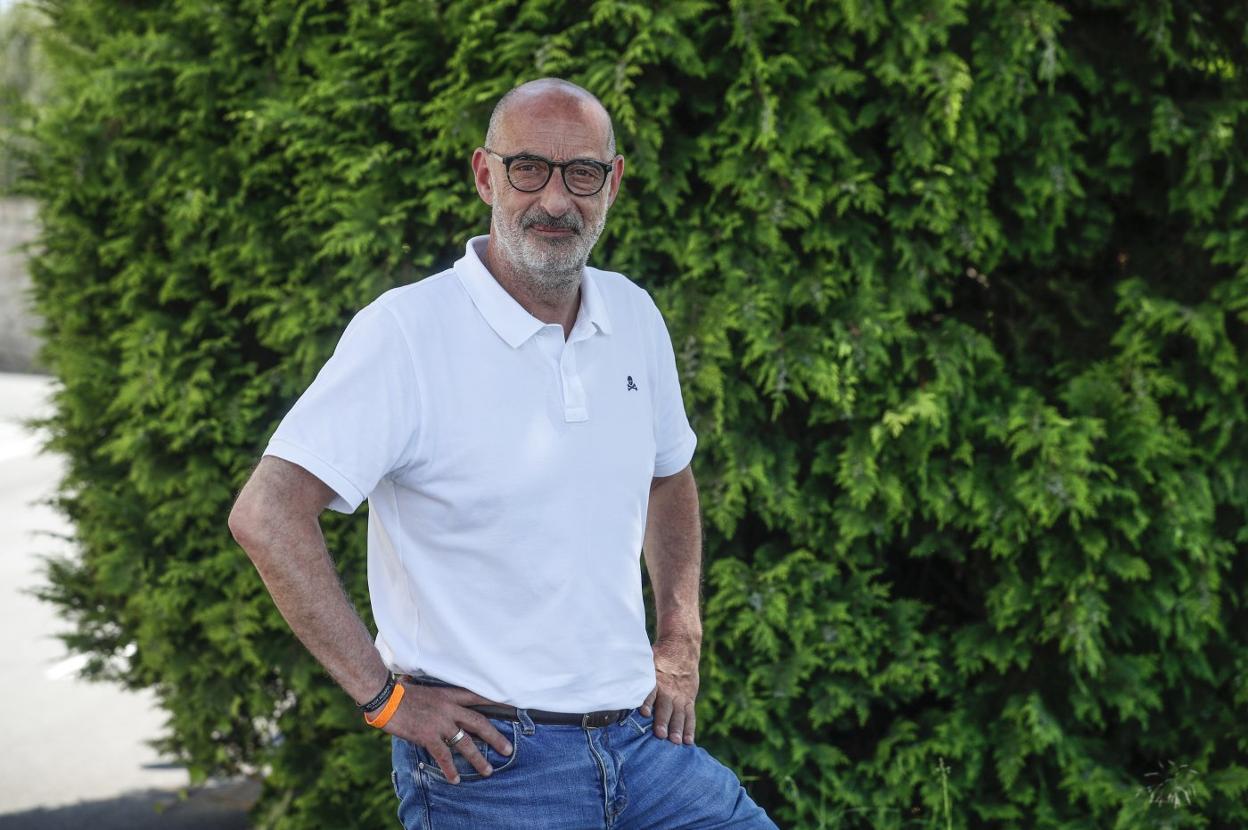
(507, 474)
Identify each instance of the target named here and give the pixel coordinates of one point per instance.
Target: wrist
(677, 655)
(382, 716)
(378, 695)
(688, 636)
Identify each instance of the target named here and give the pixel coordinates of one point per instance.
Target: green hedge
(958, 292)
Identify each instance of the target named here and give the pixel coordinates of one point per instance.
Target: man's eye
(583, 171)
(524, 167)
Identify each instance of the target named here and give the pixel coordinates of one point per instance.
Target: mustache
(541, 217)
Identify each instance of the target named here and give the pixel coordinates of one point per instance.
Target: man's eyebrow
(524, 153)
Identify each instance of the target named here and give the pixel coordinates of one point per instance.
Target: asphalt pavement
(73, 753)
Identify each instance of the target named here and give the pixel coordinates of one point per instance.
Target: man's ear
(481, 175)
(617, 173)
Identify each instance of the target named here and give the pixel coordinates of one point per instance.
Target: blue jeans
(572, 778)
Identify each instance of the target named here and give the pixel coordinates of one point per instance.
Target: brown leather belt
(601, 718)
(605, 717)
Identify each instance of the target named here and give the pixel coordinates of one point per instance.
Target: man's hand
(675, 693)
(427, 714)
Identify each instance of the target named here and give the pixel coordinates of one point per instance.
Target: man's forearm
(673, 553)
(292, 559)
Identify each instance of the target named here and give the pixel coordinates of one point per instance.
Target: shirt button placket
(574, 408)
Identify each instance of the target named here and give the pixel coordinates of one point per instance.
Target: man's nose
(556, 200)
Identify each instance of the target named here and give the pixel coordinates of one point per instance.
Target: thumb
(649, 701)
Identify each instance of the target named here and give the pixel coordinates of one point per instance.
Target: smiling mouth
(548, 230)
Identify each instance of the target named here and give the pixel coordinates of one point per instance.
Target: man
(517, 427)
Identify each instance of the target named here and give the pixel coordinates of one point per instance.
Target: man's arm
(673, 554)
(276, 520)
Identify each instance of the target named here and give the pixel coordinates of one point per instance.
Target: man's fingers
(471, 720)
(441, 753)
(691, 721)
(662, 714)
(676, 726)
(480, 725)
(469, 750)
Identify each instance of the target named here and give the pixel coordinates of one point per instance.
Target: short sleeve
(357, 421)
(674, 438)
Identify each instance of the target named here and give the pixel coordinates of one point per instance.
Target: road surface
(74, 753)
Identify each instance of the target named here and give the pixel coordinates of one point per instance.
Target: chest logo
(632, 386)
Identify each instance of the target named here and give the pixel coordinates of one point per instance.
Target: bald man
(516, 425)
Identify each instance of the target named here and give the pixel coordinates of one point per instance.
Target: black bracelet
(382, 696)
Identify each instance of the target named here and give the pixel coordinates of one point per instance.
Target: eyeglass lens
(532, 174)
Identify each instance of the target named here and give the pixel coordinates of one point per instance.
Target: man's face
(552, 231)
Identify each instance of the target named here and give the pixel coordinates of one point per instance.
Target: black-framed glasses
(529, 173)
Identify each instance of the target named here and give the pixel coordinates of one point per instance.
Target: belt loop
(526, 722)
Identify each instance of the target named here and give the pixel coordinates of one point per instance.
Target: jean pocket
(467, 772)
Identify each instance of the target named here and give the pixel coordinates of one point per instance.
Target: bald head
(545, 95)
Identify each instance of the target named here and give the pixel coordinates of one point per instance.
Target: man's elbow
(251, 519)
(279, 501)
(244, 521)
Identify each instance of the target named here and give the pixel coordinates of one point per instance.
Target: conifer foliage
(959, 296)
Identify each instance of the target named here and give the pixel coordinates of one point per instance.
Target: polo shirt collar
(506, 316)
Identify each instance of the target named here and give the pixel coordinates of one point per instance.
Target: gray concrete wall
(18, 341)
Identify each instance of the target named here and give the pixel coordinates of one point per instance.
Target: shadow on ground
(220, 806)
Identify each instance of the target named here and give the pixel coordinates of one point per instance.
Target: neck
(552, 297)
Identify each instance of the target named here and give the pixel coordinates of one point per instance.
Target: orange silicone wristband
(387, 711)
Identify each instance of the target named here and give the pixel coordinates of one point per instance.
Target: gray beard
(550, 269)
